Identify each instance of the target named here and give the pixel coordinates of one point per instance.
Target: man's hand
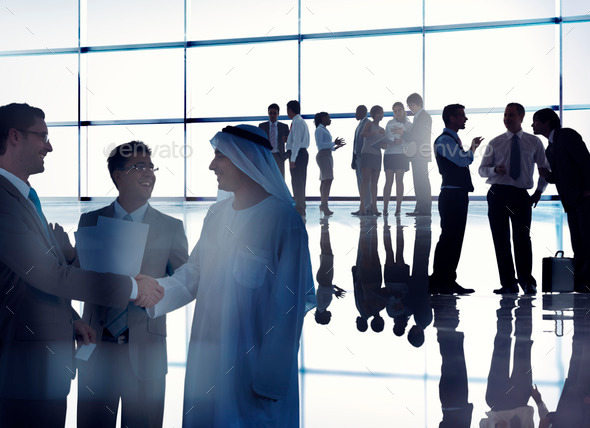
(535, 197)
(475, 143)
(544, 172)
(536, 395)
(292, 165)
(149, 292)
(500, 169)
(63, 240)
(338, 292)
(84, 333)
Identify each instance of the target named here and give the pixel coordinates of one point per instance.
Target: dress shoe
(357, 212)
(529, 288)
(413, 214)
(507, 290)
(457, 289)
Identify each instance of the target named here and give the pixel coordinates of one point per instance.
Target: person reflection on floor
(396, 275)
(573, 408)
(508, 394)
(369, 297)
(418, 298)
(453, 389)
(325, 276)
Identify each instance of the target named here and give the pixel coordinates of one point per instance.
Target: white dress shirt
(323, 138)
(298, 137)
(498, 153)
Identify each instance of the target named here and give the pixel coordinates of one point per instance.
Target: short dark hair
(548, 115)
(519, 107)
(415, 99)
(119, 155)
(319, 117)
(451, 110)
(18, 116)
(294, 106)
(377, 324)
(274, 106)
(363, 108)
(375, 109)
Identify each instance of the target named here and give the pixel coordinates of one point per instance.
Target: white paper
(85, 351)
(113, 245)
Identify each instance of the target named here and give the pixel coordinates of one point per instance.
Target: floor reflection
(478, 360)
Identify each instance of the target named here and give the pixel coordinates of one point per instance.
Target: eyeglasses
(141, 167)
(44, 135)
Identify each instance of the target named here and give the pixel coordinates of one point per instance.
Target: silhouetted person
(453, 386)
(419, 153)
(508, 394)
(396, 275)
(361, 116)
(325, 276)
(297, 144)
(569, 160)
(395, 160)
(277, 133)
(508, 165)
(453, 164)
(326, 146)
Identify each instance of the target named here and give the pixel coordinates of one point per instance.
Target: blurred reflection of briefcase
(558, 274)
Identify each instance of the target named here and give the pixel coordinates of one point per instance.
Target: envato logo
(160, 151)
(413, 150)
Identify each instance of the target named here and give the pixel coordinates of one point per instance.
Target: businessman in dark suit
(130, 359)
(37, 283)
(277, 133)
(419, 151)
(570, 171)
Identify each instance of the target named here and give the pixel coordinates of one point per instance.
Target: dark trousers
(280, 160)
(452, 207)
(578, 218)
(109, 377)
(359, 179)
(422, 187)
(299, 179)
(509, 205)
(507, 391)
(32, 413)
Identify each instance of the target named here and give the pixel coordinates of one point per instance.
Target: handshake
(149, 292)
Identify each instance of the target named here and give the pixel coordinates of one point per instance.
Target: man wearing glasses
(130, 360)
(37, 283)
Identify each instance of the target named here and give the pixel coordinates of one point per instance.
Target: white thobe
(251, 276)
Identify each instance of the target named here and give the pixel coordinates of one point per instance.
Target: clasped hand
(149, 292)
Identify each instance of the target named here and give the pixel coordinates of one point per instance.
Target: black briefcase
(558, 274)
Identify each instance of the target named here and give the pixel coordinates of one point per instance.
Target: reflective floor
(380, 351)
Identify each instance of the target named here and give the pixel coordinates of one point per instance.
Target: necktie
(515, 158)
(116, 322)
(34, 198)
(273, 135)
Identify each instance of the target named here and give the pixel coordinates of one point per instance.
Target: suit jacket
(421, 134)
(166, 250)
(36, 285)
(358, 143)
(282, 131)
(570, 166)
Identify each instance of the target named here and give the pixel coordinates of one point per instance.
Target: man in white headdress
(250, 274)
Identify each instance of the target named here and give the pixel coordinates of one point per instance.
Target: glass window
(580, 121)
(112, 22)
(487, 68)
(575, 7)
(240, 80)
(349, 15)
(49, 82)
(133, 85)
(60, 177)
(38, 25)
(576, 56)
(337, 75)
(463, 11)
(232, 19)
(166, 142)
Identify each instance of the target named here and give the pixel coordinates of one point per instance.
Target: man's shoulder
(161, 217)
(104, 211)
(532, 138)
(568, 133)
(263, 124)
(282, 125)
(498, 139)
